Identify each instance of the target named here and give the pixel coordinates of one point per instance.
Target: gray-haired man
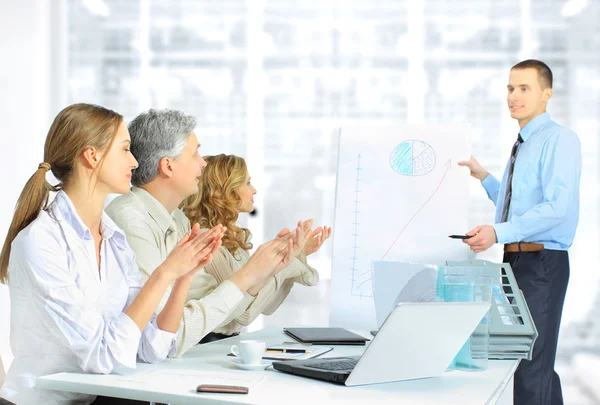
(166, 147)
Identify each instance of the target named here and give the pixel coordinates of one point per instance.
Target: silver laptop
(417, 340)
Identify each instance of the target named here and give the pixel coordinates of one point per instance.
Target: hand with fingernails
(316, 237)
(193, 251)
(269, 259)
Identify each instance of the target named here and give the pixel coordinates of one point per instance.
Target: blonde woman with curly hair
(225, 191)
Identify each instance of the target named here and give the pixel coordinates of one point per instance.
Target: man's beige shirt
(153, 233)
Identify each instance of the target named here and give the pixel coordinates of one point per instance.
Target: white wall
(25, 113)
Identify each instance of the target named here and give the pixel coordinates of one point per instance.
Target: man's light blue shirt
(544, 205)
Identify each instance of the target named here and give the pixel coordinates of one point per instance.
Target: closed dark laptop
(332, 369)
(325, 336)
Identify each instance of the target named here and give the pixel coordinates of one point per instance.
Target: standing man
(537, 210)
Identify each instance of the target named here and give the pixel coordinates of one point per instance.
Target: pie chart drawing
(413, 158)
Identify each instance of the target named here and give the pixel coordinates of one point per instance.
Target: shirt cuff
(124, 340)
(229, 293)
(246, 301)
(248, 298)
(163, 343)
(293, 270)
(491, 185)
(505, 233)
(303, 258)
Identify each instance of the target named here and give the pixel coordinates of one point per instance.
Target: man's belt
(523, 247)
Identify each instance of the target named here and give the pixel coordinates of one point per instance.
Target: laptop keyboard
(335, 365)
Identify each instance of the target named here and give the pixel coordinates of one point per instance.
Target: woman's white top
(66, 316)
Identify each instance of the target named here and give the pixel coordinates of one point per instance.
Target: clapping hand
(194, 251)
(300, 236)
(316, 238)
(313, 238)
(267, 261)
(272, 257)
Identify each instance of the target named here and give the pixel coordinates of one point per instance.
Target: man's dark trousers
(543, 277)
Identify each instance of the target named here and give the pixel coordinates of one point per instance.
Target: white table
(455, 387)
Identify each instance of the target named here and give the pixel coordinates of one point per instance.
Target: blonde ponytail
(32, 200)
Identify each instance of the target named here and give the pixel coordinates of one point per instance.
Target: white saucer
(252, 367)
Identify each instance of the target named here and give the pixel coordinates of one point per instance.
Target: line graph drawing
(413, 158)
(448, 168)
(355, 234)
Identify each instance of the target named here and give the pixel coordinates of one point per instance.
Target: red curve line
(417, 213)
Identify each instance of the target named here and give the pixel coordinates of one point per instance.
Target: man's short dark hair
(543, 71)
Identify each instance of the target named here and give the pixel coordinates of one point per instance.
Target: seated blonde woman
(225, 191)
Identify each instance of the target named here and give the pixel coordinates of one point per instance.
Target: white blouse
(65, 315)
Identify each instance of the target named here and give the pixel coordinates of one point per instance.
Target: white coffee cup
(249, 351)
